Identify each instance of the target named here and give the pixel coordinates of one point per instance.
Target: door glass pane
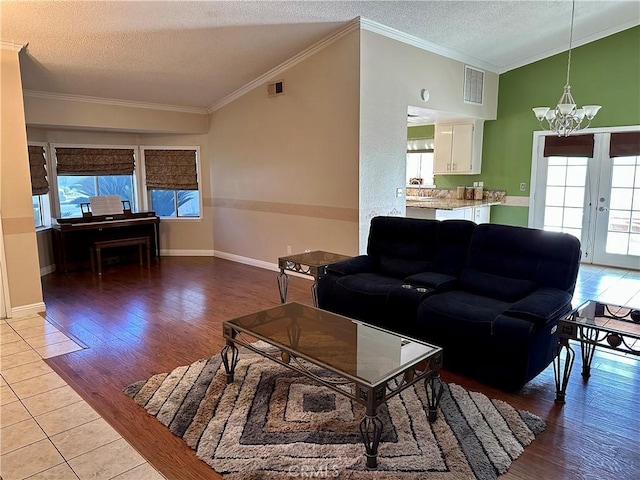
(557, 174)
(572, 218)
(624, 207)
(617, 243)
(555, 196)
(576, 174)
(564, 200)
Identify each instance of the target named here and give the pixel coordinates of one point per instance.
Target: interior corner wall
(392, 76)
(16, 209)
(605, 72)
(285, 168)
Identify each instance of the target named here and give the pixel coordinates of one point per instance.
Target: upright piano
(73, 238)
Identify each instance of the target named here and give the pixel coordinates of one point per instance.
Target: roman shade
(95, 161)
(572, 146)
(624, 144)
(37, 166)
(171, 169)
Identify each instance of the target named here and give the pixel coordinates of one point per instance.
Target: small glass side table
(594, 324)
(308, 263)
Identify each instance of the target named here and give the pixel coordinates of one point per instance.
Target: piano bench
(122, 242)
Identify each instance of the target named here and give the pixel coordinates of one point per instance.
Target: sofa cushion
(402, 267)
(402, 246)
(549, 259)
(454, 237)
(432, 280)
(363, 296)
(359, 264)
(494, 286)
(459, 313)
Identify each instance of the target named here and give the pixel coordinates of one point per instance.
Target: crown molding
(274, 72)
(13, 46)
(394, 34)
(115, 102)
(576, 43)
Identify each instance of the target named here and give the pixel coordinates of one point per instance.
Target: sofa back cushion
(454, 237)
(508, 262)
(402, 246)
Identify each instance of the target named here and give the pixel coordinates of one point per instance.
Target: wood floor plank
(138, 322)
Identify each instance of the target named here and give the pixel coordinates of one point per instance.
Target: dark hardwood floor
(138, 322)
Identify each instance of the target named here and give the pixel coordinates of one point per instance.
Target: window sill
(43, 229)
(180, 219)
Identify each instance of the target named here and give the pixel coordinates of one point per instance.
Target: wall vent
(473, 85)
(275, 88)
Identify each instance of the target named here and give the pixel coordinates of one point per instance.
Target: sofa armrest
(351, 266)
(437, 281)
(541, 306)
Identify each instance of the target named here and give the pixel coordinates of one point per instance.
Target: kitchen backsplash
(445, 193)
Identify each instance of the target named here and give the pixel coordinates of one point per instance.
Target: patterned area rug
(274, 423)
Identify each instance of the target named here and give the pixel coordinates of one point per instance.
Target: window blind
(37, 166)
(171, 169)
(94, 161)
(624, 144)
(572, 146)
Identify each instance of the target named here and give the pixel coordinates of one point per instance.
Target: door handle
(603, 209)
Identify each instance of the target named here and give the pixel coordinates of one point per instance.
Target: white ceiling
(196, 53)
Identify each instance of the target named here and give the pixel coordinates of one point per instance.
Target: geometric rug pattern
(274, 423)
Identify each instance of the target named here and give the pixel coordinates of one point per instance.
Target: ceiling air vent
(275, 88)
(473, 85)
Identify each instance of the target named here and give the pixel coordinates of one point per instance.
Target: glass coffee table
(366, 364)
(308, 263)
(594, 324)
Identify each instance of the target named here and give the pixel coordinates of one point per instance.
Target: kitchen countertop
(447, 203)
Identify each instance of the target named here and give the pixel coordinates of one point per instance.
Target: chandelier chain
(573, 9)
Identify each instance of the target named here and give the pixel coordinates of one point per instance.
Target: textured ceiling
(193, 54)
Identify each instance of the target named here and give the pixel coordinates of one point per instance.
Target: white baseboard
(186, 253)
(255, 263)
(28, 310)
(47, 270)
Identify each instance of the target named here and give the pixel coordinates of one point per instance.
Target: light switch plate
(399, 192)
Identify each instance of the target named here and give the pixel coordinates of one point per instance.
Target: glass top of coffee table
(613, 318)
(348, 347)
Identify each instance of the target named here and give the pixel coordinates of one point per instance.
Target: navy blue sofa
(490, 294)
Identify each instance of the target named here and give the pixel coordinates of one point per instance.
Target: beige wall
(392, 76)
(66, 113)
(285, 169)
(25, 290)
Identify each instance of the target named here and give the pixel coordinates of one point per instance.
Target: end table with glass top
(594, 324)
(307, 263)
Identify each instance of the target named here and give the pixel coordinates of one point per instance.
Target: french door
(595, 199)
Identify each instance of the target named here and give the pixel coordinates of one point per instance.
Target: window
(420, 161)
(171, 178)
(91, 172)
(39, 185)
(76, 189)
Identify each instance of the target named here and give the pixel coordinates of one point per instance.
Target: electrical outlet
(399, 192)
(523, 186)
(288, 249)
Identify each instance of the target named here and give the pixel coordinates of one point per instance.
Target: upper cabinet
(458, 148)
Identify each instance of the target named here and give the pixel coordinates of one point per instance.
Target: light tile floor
(47, 430)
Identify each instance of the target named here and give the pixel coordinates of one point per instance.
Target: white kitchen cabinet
(481, 214)
(458, 148)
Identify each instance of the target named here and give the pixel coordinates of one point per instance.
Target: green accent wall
(605, 72)
(422, 131)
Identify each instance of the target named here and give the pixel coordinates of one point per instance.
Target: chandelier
(566, 117)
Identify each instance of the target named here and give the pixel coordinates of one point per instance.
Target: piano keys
(73, 238)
